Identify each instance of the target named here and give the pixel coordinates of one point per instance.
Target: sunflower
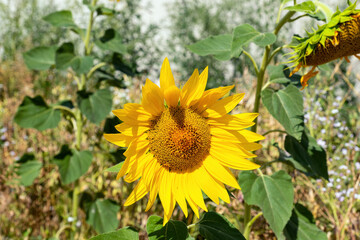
(182, 142)
(339, 38)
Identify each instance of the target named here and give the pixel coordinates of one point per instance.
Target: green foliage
(40, 58)
(273, 194)
(219, 46)
(226, 46)
(213, 226)
(301, 225)
(35, 113)
(111, 41)
(307, 7)
(123, 233)
(116, 168)
(95, 105)
(286, 106)
(61, 19)
(102, 217)
(28, 170)
(65, 57)
(72, 163)
(308, 154)
(174, 230)
(276, 74)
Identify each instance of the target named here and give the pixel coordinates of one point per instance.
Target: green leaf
(301, 226)
(115, 168)
(174, 230)
(95, 106)
(28, 171)
(308, 154)
(105, 11)
(102, 216)
(35, 113)
(126, 233)
(245, 33)
(265, 39)
(72, 163)
(111, 41)
(65, 57)
(219, 46)
(277, 74)
(60, 19)
(286, 106)
(307, 7)
(273, 194)
(214, 226)
(325, 9)
(40, 58)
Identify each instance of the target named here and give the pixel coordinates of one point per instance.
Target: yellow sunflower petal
(222, 107)
(138, 193)
(221, 173)
(242, 136)
(153, 98)
(136, 169)
(154, 185)
(165, 192)
(194, 191)
(230, 122)
(231, 157)
(118, 139)
(185, 92)
(210, 97)
(179, 193)
(246, 116)
(130, 131)
(172, 96)
(251, 146)
(194, 88)
(166, 76)
(210, 186)
(133, 117)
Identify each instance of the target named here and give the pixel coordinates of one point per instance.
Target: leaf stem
(274, 130)
(250, 223)
(66, 109)
(253, 61)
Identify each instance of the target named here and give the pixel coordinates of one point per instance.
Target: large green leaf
(65, 57)
(308, 154)
(245, 33)
(35, 113)
(60, 19)
(219, 46)
(286, 106)
(102, 216)
(40, 58)
(95, 106)
(301, 226)
(123, 234)
(277, 75)
(307, 7)
(213, 226)
(273, 194)
(174, 230)
(115, 168)
(28, 171)
(111, 41)
(72, 163)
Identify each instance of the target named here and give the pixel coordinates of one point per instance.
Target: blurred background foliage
(42, 210)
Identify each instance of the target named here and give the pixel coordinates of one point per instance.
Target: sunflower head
(182, 142)
(330, 41)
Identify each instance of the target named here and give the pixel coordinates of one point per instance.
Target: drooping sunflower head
(336, 39)
(182, 142)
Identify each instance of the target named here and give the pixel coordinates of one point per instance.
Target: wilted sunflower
(182, 142)
(339, 38)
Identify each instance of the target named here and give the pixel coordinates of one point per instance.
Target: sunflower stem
(260, 82)
(250, 223)
(80, 123)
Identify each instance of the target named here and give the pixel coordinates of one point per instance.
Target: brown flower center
(179, 139)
